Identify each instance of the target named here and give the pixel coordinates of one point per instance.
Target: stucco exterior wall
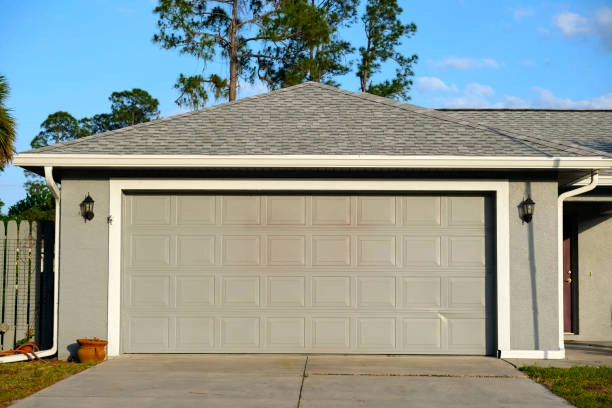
(83, 278)
(594, 275)
(534, 315)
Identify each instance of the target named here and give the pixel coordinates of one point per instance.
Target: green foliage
(57, 128)
(210, 29)
(39, 204)
(307, 45)
(132, 107)
(384, 33)
(7, 126)
(29, 335)
(581, 386)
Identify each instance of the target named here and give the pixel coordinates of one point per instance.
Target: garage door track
(242, 381)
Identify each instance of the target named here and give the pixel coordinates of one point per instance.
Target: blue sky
(71, 55)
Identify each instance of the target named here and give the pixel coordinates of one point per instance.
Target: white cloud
(546, 99)
(521, 13)
(474, 95)
(467, 63)
(475, 89)
(575, 25)
(572, 24)
(464, 101)
(432, 84)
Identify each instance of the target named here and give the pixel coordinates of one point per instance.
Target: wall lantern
(527, 206)
(87, 206)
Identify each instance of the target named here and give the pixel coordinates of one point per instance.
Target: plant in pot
(91, 349)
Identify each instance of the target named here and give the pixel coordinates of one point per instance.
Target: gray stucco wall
(534, 315)
(594, 275)
(83, 278)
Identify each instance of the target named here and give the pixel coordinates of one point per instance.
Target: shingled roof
(315, 119)
(588, 128)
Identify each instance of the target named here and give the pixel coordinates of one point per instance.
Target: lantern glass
(528, 208)
(87, 206)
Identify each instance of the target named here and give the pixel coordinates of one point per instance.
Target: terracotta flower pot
(91, 350)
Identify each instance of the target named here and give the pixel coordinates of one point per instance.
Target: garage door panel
(466, 211)
(422, 334)
(331, 333)
(422, 251)
(239, 332)
(286, 210)
(240, 291)
(286, 250)
(241, 210)
(285, 333)
(466, 292)
(376, 250)
(466, 334)
(376, 210)
(150, 250)
(330, 250)
(195, 333)
(195, 291)
(331, 210)
(376, 292)
(286, 291)
(241, 250)
(421, 292)
(331, 291)
(466, 251)
(196, 250)
(195, 210)
(149, 334)
(375, 333)
(320, 273)
(422, 211)
(150, 291)
(150, 210)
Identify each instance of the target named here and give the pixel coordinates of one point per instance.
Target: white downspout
(562, 197)
(53, 350)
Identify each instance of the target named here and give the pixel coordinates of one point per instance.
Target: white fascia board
(314, 161)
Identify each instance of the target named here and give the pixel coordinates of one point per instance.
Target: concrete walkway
(241, 381)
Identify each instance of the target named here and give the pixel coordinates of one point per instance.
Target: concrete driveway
(241, 381)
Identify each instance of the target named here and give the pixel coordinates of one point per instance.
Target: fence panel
(21, 273)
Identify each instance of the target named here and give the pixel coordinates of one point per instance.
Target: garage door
(271, 273)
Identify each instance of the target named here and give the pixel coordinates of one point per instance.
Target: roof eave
(308, 161)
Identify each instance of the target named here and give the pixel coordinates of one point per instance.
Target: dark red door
(567, 284)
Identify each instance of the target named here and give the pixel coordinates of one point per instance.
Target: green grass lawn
(584, 387)
(18, 380)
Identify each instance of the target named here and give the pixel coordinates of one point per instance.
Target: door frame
(500, 190)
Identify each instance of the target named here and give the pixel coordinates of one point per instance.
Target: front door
(567, 279)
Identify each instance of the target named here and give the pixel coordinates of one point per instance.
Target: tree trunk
(233, 57)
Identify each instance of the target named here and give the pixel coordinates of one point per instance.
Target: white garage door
(307, 273)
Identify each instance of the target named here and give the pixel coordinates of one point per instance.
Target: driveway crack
(302, 385)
